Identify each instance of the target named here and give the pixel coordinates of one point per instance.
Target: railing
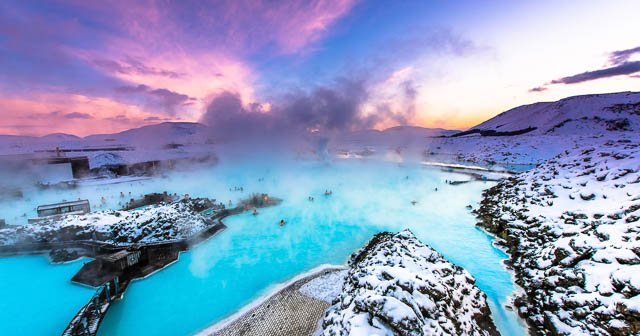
(88, 319)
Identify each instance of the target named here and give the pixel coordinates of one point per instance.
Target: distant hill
(418, 131)
(159, 136)
(59, 137)
(394, 136)
(585, 114)
(579, 115)
(155, 135)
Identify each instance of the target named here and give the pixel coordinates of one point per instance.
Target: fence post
(96, 303)
(107, 286)
(84, 326)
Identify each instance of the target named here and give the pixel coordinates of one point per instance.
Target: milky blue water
(255, 254)
(37, 298)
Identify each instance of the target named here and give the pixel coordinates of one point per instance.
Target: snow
(587, 114)
(574, 238)
(397, 285)
(163, 222)
(326, 287)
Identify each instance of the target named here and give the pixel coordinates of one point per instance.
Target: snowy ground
(398, 286)
(326, 287)
(573, 231)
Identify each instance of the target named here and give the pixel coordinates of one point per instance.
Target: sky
(89, 67)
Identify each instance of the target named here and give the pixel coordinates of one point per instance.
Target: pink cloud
(70, 113)
(180, 63)
(292, 25)
(236, 26)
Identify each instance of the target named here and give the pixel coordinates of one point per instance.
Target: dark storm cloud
(120, 118)
(622, 56)
(131, 65)
(538, 89)
(77, 115)
(626, 68)
(132, 89)
(619, 65)
(165, 100)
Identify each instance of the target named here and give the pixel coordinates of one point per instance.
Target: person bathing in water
(282, 222)
(327, 192)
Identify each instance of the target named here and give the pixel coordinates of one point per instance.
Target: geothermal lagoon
(254, 254)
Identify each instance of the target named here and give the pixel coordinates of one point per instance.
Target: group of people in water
(326, 193)
(282, 221)
(236, 189)
(255, 213)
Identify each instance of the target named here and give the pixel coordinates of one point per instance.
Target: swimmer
(255, 212)
(103, 200)
(121, 194)
(413, 202)
(436, 189)
(230, 203)
(282, 222)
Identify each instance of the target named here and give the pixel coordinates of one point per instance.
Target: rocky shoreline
(572, 232)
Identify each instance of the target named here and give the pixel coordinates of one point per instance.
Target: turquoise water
(37, 298)
(255, 254)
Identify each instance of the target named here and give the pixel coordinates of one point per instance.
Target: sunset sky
(86, 67)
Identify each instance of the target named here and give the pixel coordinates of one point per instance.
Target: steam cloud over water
(328, 109)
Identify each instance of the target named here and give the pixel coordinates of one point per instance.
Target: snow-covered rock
(166, 221)
(572, 227)
(398, 286)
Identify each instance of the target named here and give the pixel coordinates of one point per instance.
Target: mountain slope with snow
(585, 114)
(156, 135)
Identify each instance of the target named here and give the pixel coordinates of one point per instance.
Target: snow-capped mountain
(587, 114)
(158, 134)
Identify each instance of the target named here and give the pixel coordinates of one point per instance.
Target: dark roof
(58, 205)
(113, 257)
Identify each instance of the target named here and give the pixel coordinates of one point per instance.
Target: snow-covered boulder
(398, 286)
(572, 228)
